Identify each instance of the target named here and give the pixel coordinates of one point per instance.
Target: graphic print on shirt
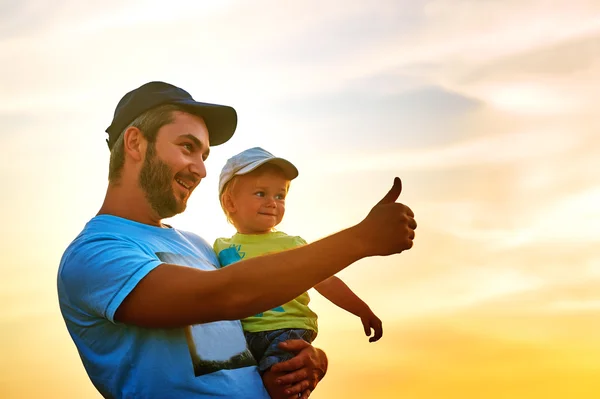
(231, 255)
(215, 346)
(234, 254)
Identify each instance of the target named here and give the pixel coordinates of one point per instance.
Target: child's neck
(254, 233)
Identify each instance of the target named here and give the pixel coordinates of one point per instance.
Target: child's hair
(230, 185)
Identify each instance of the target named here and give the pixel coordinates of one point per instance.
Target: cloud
(556, 59)
(545, 65)
(570, 220)
(35, 18)
(340, 34)
(562, 21)
(19, 19)
(568, 298)
(479, 151)
(368, 122)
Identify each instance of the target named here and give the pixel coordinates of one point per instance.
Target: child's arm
(340, 294)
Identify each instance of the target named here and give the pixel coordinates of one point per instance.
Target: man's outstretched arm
(175, 296)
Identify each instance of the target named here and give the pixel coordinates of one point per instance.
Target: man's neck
(122, 201)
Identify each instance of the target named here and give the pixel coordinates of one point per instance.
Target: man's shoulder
(193, 238)
(102, 228)
(106, 235)
(110, 225)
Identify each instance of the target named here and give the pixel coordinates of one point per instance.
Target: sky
(487, 111)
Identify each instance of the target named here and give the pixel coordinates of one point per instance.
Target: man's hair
(149, 124)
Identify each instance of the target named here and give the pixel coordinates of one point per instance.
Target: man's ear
(134, 143)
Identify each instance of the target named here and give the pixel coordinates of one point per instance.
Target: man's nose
(198, 168)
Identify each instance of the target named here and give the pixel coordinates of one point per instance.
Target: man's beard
(156, 179)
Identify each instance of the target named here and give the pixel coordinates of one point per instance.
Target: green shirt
(294, 314)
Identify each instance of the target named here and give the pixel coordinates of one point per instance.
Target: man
(150, 314)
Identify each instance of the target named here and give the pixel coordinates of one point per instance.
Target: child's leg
(258, 342)
(273, 355)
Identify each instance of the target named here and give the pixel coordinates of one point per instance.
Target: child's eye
(260, 193)
(280, 196)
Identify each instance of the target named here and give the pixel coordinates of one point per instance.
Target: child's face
(258, 201)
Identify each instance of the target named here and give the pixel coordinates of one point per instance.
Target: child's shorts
(264, 345)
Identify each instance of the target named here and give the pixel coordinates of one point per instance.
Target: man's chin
(172, 211)
(176, 205)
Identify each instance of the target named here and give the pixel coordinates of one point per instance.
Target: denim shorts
(263, 345)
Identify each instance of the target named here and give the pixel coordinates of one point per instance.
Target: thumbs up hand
(389, 228)
(393, 194)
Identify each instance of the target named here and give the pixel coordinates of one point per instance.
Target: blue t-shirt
(97, 272)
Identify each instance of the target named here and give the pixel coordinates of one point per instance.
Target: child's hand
(370, 321)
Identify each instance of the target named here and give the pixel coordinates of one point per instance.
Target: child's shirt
(294, 314)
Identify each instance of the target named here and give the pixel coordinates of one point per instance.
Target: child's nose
(271, 202)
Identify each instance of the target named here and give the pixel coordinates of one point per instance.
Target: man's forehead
(186, 124)
(188, 118)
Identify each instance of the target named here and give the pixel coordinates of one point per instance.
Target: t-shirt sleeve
(299, 241)
(216, 245)
(98, 273)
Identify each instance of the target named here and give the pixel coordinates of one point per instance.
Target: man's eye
(188, 146)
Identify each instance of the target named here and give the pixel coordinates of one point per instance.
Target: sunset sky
(487, 110)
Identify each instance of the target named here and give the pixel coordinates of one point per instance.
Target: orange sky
(486, 110)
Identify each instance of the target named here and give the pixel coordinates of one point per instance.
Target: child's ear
(228, 203)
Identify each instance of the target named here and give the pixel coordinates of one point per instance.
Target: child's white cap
(250, 159)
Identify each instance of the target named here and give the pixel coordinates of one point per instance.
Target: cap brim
(289, 170)
(221, 120)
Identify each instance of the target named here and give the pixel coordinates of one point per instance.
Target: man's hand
(304, 371)
(370, 321)
(390, 226)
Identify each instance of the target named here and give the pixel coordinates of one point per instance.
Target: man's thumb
(394, 192)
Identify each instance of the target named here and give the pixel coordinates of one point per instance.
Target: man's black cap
(221, 120)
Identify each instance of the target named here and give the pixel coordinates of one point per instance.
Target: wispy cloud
(479, 151)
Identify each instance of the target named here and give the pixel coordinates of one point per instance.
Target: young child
(252, 188)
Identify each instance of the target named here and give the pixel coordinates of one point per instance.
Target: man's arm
(341, 295)
(174, 296)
